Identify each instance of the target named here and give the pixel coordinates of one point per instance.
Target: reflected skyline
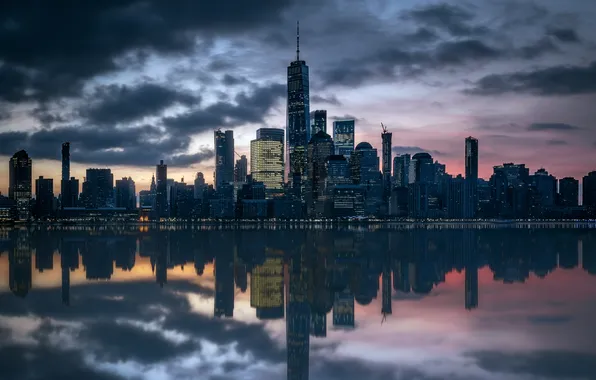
(324, 283)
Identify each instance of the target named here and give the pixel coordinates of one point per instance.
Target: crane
(384, 128)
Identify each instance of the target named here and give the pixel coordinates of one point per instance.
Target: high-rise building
(546, 186)
(318, 122)
(589, 193)
(471, 177)
(224, 157)
(338, 173)
(298, 114)
(343, 137)
(386, 161)
(200, 186)
(241, 170)
(19, 186)
(44, 197)
(64, 185)
(365, 164)
(422, 169)
(161, 189)
(98, 188)
(568, 192)
(320, 148)
(267, 288)
(401, 170)
(267, 159)
(126, 193)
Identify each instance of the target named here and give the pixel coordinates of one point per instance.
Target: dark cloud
(414, 149)
(556, 142)
(552, 127)
(544, 364)
(46, 116)
(455, 20)
(250, 107)
(115, 104)
(53, 50)
(320, 99)
(138, 146)
(344, 117)
(566, 35)
(553, 81)
(231, 80)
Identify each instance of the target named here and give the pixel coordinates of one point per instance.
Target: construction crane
(384, 128)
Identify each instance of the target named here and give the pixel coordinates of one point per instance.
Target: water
(371, 303)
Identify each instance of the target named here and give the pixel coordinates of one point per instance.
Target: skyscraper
(200, 185)
(224, 157)
(343, 137)
(589, 193)
(320, 148)
(568, 192)
(126, 194)
(44, 197)
(401, 170)
(241, 169)
(365, 164)
(98, 188)
(298, 113)
(318, 122)
(472, 176)
(19, 186)
(386, 139)
(267, 159)
(64, 185)
(161, 188)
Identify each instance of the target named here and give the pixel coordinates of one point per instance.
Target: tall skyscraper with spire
(386, 139)
(471, 176)
(298, 114)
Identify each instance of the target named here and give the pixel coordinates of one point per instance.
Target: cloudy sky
(131, 82)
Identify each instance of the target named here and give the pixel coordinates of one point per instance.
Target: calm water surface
(158, 303)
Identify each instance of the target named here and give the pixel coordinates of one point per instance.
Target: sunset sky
(131, 82)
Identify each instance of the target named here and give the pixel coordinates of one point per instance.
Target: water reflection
(304, 277)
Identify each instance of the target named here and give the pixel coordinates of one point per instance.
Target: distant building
(161, 190)
(200, 186)
(472, 175)
(126, 193)
(343, 137)
(401, 170)
(338, 173)
(267, 160)
(386, 164)
(568, 192)
(19, 185)
(241, 170)
(348, 201)
(320, 148)
(318, 122)
(44, 197)
(365, 164)
(98, 189)
(589, 193)
(224, 157)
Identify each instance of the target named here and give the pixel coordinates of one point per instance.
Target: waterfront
(386, 301)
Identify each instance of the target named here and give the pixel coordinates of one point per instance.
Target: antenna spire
(297, 40)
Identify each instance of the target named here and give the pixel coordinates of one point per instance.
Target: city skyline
(426, 93)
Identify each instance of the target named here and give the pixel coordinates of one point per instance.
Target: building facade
(343, 137)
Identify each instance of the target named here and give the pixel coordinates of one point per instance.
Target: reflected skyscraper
(224, 276)
(19, 261)
(267, 287)
(298, 114)
(471, 267)
(298, 319)
(343, 309)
